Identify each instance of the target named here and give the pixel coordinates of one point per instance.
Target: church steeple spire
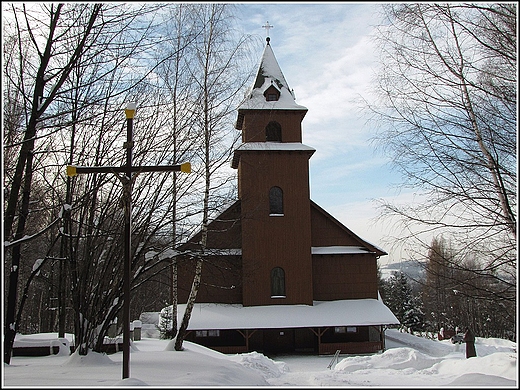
(270, 90)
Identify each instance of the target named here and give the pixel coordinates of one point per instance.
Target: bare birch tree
(177, 86)
(220, 77)
(447, 111)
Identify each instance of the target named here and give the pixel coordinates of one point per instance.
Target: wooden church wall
(260, 171)
(255, 123)
(221, 279)
(223, 232)
(344, 277)
(326, 231)
(221, 275)
(275, 241)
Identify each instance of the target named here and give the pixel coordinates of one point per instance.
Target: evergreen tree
(399, 297)
(165, 326)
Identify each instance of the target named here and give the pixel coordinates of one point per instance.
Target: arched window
(275, 201)
(273, 132)
(277, 283)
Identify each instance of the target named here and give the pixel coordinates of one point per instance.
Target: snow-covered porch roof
(351, 312)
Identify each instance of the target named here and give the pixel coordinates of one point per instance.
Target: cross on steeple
(267, 26)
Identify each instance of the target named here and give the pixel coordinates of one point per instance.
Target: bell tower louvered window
(273, 132)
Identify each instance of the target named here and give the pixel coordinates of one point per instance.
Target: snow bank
(393, 359)
(501, 364)
(257, 361)
(130, 382)
(90, 359)
(45, 340)
(409, 361)
(428, 362)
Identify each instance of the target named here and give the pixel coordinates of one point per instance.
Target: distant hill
(410, 268)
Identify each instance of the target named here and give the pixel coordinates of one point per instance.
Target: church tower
(273, 189)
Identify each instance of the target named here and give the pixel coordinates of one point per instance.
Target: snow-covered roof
(350, 312)
(269, 73)
(269, 146)
(274, 146)
(223, 252)
(339, 250)
(315, 250)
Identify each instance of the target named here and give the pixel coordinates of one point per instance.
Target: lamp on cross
(127, 181)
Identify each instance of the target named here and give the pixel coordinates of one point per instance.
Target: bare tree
(71, 65)
(39, 90)
(454, 294)
(447, 108)
(126, 55)
(220, 78)
(176, 80)
(153, 203)
(438, 286)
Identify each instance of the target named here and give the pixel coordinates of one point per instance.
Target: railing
(334, 359)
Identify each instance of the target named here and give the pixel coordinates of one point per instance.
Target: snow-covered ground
(409, 361)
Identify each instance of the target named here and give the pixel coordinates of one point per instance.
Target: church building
(280, 274)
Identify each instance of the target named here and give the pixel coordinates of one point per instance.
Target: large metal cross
(127, 180)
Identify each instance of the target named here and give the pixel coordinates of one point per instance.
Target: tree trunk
(173, 296)
(11, 325)
(189, 306)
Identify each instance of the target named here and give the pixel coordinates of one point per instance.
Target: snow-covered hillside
(410, 268)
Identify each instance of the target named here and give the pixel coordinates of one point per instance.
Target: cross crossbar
(73, 170)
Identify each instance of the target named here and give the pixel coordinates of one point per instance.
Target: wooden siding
(278, 340)
(288, 340)
(230, 349)
(325, 232)
(221, 275)
(221, 279)
(224, 232)
(275, 241)
(328, 231)
(255, 121)
(344, 277)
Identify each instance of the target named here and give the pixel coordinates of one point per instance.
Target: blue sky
(327, 57)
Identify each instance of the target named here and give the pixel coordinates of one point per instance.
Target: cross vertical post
(127, 201)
